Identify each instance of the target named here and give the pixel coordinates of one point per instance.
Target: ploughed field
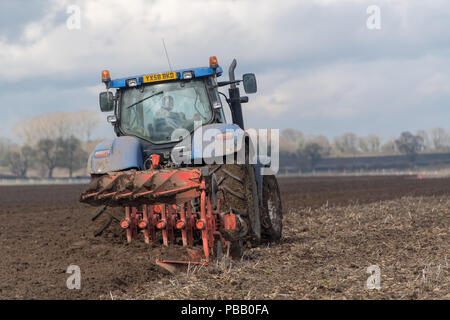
(334, 229)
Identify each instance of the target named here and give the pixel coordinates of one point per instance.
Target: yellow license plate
(160, 77)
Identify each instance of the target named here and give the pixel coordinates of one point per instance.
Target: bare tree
(87, 121)
(322, 141)
(71, 154)
(363, 144)
(440, 139)
(313, 152)
(54, 134)
(19, 161)
(291, 140)
(389, 146)
(427, 144)
(49, 153)
(5, 146)
(373, 142)
(409, 144)
(346, 143)
(31, 130)
(53, 126)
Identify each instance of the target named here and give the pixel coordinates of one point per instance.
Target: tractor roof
(164, 76)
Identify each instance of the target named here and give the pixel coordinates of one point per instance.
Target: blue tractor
(178, 170)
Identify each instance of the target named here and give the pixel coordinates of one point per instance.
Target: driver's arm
(182, 115)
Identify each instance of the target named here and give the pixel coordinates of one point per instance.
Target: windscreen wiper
(152, 95)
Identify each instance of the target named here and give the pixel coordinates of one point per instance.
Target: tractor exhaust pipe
(231, 73)
(235, 97)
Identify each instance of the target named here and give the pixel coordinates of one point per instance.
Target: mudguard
(238, 135)
(198, 145)
(210, 132)
(117, 154)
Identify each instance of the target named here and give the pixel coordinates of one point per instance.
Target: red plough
(175, 206)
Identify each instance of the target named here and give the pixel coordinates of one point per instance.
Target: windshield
(153, 112)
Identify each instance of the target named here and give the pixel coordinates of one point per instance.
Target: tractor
(181, 172)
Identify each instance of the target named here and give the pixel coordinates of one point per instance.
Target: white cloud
(313, 59)
(351, 91)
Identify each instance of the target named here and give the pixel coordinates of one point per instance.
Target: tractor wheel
(271, 213)
(238, 184)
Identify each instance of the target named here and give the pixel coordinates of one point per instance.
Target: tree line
(64, 140)
(50, 141)
(307, 151)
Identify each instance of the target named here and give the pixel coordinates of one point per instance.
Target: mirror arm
(225, 83)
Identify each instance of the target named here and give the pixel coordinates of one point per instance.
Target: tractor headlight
(188, 75)
(132, 82)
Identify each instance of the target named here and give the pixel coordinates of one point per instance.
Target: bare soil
(334, 228)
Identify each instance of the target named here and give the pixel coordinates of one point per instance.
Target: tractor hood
(116, 154)
(209, 142)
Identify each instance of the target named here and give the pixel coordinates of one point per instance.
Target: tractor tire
(271, 212)
(238, 184)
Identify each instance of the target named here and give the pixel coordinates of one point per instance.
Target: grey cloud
(15, 15)
(319, 64)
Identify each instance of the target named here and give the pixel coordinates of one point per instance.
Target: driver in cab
(166, 120)
(172, 119)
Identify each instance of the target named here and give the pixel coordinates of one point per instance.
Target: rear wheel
(238, 184)
(271, 213)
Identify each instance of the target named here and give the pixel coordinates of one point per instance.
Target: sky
(321, 66)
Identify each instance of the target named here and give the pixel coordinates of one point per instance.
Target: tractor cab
(155, 107)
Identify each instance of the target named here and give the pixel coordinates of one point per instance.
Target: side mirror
(249, 80)
(106, 101)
